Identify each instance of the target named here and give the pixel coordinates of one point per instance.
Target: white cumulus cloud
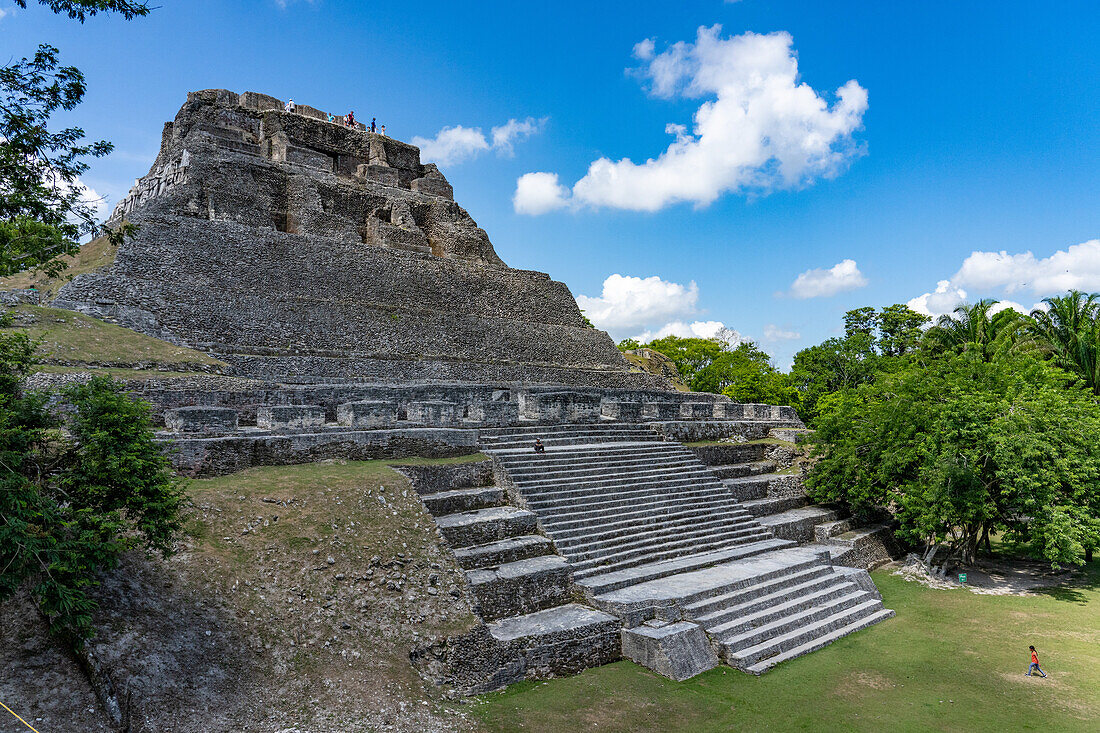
(999, 274)
(636, 302)
(822, 283)
(695, 329)
(455, 144)
(773, 332)
(758, 128)
(538, 193)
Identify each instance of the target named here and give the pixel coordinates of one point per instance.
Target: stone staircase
(524, 589)
(655, 537)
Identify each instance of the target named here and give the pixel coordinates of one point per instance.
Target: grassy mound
(71, 341)
(94, 255)
(951, 660)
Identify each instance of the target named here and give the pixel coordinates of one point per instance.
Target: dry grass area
(70, 341)
(94, 255)
(293, 605)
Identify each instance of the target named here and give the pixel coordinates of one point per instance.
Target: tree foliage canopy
(72, 501)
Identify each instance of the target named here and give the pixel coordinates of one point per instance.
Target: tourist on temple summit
(290, 106)
(331, 117)
(539, 447)
(1034, 666)
(383, 130)
(350, 120)
(372, 119)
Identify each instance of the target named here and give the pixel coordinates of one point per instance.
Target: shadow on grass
(1076, 592)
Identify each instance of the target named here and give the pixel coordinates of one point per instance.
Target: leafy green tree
(745, 374)
(43, 206)
(829, 367)
(900, 329)
(976, 328)
(689, 354)
(71, 504)
(1069, 331)
(629, 345)
(956, 447)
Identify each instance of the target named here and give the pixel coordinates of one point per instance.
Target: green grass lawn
(951, 660)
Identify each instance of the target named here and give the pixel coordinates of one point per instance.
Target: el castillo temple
(361, 314)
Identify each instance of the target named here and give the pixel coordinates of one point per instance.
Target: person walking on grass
(1034, 667)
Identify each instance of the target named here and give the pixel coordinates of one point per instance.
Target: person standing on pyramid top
(290, 106)
(372, 121)
(350, 119)
(1034, 666)
(383, 130)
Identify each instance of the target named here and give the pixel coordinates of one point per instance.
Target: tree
(629, 345)
(689, 354)
(43, 206)
(900, 329)
(956, 447)
(1069, 331)
(70, 505)
(976, 328)
(745, 374)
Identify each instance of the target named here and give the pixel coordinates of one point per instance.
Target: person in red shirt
(1035, 663)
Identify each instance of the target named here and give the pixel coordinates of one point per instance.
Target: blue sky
(980, 134)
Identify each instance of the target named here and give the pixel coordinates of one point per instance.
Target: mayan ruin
(292, 446)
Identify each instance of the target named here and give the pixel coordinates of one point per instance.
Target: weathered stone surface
(290, 417)
(676, 650)
(367, 414)
(432, 412)
(447, 477)
(696, 410)
(554, 407)
(296, 248)
(201, 420)
(622, 410)
(661, 410)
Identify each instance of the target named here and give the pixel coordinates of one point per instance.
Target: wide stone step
(519, 432)
(679, 530)
(521, 445)
(671, 486)
(708, 608)
(748, 649)
(740, 470)
(570, 621)
(598, 581)
(463, 500)
(605, 506)
(654, 551)
(822, 593)
(597, 450)
(776, 505)
(617, 524)
(503, 551)
(618, 464)
(798, 524)
(821, 641)
(561, 519)
(483, 526)
(520, 587)
(612, 475)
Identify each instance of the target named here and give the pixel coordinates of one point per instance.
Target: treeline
(983, 425)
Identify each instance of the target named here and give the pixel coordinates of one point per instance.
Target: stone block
(385, 234)
(622, 410)
(203, 419)
(729, 411)
(562, 406)
(757, 412)
(661, 411)
(786, 412)
(676, 650)
(262, 102)
(496, 412)
(433, 187)
(383, 174)
(306, 111)
(367, 414)
(696, 410)
(290, 417)
(432, 412)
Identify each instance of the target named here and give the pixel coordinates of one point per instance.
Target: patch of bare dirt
(992, 577)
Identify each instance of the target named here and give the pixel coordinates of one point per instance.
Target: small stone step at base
(828, 530)
(503, 551)
(798, 524)
(740, 470)
(865, 547)
(678, 651)
(463, 500)
(521, 587)
(482, 526)
(820, 642)
(764, 507)
(598, 584)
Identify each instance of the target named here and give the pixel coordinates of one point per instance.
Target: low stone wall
(433, 479)
(690, 431)
(218, 456)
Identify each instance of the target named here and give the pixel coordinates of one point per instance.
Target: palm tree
(1070, 332)
(974, 328)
